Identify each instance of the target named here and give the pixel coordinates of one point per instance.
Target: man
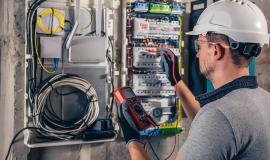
(234, 121)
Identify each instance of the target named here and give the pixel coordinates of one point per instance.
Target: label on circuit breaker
(149, 57)
(152, 85)
(151, 28)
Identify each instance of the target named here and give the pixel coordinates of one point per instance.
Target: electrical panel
(71, 68)
(152, 26)
(69, 72)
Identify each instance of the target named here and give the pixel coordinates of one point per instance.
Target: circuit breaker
(152, 26)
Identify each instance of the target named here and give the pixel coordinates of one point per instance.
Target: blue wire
(56, 63)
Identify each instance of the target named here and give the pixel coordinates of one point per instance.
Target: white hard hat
(240, 20)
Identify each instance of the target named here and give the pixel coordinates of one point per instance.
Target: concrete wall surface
(263, 61)
(12, 50)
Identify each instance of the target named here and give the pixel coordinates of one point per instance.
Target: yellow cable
(180, 70)
(54, 13)
(37, 54)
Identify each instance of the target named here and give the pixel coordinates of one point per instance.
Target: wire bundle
(31, 50)
(54, 126)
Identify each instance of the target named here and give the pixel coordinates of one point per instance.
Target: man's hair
(237, 58)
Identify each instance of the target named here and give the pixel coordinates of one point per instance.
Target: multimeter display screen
(128, 93)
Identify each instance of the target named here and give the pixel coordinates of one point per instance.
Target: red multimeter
(135, 109)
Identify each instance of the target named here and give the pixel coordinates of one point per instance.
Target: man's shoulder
(239, 98)
(210, 113)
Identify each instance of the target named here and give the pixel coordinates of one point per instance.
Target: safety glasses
(197, 46)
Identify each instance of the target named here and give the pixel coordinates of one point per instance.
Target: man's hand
(169, 64)
(129, 129)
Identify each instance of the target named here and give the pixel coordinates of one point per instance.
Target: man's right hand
(169, 64)
(129, 128)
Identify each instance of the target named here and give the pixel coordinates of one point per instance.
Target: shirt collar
(242, 82)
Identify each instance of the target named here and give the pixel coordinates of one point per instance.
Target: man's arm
(190, 105)
(169, 64)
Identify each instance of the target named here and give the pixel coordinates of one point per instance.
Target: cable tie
(93, 100)
(87, 90)
(85, 124)
(50, 84)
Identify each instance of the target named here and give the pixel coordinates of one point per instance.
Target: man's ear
(219, 51)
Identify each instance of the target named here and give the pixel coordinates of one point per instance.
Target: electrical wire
(53, 13)
(54, 126)
(169, 156)
(37, 55)
(152, 148)
(15, 137)
(148, 141)
(174, 144)
(32, 65)
(111, 63)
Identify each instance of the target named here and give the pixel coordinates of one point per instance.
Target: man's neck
(227, 75)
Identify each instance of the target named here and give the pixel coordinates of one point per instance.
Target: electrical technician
(233, 121)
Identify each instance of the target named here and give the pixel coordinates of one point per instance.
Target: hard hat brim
(193, 33)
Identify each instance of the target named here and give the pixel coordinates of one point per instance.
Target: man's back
(248, 112)
(233, 126)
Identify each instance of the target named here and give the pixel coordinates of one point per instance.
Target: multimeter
(127, 98)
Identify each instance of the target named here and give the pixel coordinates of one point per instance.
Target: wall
(263, 61)
(12, 73)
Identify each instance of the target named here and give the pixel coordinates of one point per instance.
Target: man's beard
(206, 69)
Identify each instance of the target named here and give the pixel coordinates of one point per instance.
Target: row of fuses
(157, 84)
(140, 92)
(159, 21)
(147, 64)
(170, 9)
(150, 76)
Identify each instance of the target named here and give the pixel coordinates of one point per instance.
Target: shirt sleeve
(210, 138)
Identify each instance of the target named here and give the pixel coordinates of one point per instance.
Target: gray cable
(40, 103)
